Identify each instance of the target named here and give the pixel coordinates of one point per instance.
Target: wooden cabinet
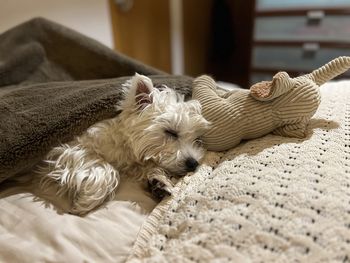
(298, 36)
(215, 35)
(141, 31)
(144, 32)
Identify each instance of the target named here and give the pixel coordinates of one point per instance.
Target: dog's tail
(330, 70)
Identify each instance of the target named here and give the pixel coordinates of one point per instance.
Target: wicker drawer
(290, 57)
(289, 28)
(286, 4)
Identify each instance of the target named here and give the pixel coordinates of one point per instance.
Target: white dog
(156, 136)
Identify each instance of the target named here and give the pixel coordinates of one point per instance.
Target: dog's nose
(191, 164)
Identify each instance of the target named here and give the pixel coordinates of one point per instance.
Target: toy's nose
(191, 164)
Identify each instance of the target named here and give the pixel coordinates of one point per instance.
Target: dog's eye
(172, 133)
(198, 142)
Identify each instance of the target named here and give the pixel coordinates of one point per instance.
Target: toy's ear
(261, 90)
(268, 90)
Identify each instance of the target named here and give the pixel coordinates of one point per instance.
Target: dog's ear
(143, 91)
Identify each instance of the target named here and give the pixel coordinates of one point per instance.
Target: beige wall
(90, 17)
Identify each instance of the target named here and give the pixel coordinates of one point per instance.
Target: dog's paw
(158, 189)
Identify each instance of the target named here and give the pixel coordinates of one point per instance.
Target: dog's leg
(97, 187)
(86, 178)
(160, 183)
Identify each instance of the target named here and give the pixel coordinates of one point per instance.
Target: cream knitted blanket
(273, 199)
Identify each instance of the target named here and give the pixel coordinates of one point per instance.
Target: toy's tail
(330, 70)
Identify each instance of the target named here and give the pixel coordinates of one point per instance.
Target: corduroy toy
(282, 106)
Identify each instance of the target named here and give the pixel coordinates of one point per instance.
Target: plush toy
(282, 106)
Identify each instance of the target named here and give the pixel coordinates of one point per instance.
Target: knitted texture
(273, 199)
(282, 106)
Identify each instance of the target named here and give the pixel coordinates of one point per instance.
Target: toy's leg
(296, 130)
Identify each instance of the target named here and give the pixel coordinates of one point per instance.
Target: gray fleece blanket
(54, 83)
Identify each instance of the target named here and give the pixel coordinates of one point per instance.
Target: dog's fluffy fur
(155, 136)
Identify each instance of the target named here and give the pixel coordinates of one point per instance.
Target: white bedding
(32, 231)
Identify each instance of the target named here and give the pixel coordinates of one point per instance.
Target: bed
(266, 200)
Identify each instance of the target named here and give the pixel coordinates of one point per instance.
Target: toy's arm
(204, 90)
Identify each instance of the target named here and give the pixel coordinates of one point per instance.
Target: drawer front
(294, 58)
(328, 28)
(273, 4)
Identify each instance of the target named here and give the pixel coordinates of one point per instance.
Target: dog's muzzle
(191, 164)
